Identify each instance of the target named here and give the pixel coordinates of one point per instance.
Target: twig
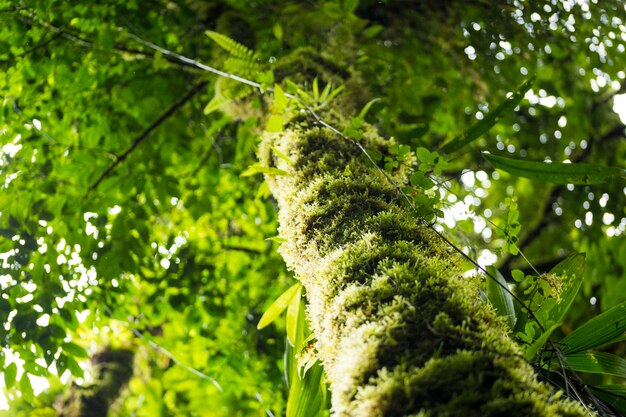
(195, 63)
(165, 351)
(169, 112)
(34, 48)
(176, 361)
(80, 40)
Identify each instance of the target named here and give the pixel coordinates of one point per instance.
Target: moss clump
(400, 331)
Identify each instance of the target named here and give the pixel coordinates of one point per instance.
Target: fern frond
(241, 67)
(234, 48)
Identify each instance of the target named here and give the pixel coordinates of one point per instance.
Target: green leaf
(278, 306)
(13, 222)
(597, 363)
(613, 394)
(74, 367)
(26, 387)
(34, 368)
(366, 108)
(349, 6)
(277, 239)
(500, 297)
(10, 374)
(280, 99)
(597, 331)
(570, 270)
(425, 156)
(231, 46)
(274, 123)
(518, 275)
(531, 351)
(558, 173)
(278, 31)
(478, 129)
(306, 394)
(260, 169)
(75, 350)
(293, 312)
(282, 156)
(420, 180)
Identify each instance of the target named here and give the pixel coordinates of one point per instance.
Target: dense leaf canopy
(126, 222)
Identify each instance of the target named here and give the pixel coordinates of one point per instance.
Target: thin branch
(242, 249)
(176, 361)
(166, 352)
(541, 268)
(168, 113)
(82, 41)
(193, 62)
(33, 49)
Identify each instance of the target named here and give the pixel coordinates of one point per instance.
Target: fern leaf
(231, 46)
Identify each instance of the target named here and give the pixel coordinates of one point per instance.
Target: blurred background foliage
(167, 254)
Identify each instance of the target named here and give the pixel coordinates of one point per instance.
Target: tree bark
(113, 369)
(400, 331)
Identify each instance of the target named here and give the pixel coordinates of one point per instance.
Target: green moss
(303, 65)
(400, 331)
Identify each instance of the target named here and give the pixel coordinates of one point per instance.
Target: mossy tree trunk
(399, 329)
(112, 369)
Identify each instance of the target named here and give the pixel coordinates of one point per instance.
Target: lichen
(400, 331)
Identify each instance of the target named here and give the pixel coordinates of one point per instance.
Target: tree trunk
(399, 330)
(113, 369)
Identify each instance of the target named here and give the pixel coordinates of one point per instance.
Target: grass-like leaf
(500, 298)
(558, 173)
(598, 331)
(293, 313)
(597, 363)
(493, 117)
(260, 169)
(306, 395)
(614, 395)
(278, 306)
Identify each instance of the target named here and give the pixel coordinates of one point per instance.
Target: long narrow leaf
(597, 363)
(614, 395)
(489, 120)
(500, 298)
(597, 331)
(558, 173)
(293, 313)
(278, 306)
(306, 395)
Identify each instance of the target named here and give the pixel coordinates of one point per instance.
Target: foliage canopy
(130, 215)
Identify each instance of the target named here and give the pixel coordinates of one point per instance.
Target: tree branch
(34, 48)
(80, 40)
(169, 112)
